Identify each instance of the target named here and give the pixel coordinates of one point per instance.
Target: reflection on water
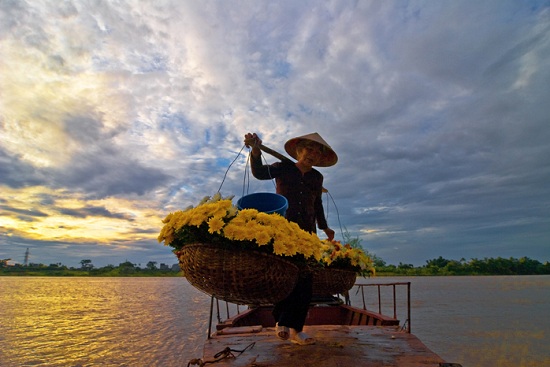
(100, 321)
(476, 321)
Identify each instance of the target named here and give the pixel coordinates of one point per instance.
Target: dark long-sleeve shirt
(303, 192)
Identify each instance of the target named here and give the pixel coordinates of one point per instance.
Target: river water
(476, 321)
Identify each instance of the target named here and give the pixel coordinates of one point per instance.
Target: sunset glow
(114, 114)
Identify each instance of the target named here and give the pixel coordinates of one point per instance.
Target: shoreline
(81, 274)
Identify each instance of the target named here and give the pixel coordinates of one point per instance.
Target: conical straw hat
(328, 158)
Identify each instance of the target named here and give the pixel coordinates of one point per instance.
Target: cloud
(114, 115)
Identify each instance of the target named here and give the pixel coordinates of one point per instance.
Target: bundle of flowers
(339, 256)
(216, 220)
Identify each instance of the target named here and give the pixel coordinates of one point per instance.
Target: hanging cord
(227, 171)
(337, 213)
(246, 179)
(269, 172)
(223, 252)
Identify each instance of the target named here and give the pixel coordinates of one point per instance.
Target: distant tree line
(87, 268)
(441, 266)
(486, 266)
(438, 266)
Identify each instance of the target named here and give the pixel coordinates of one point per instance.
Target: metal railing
(361, 287)
(233, 309)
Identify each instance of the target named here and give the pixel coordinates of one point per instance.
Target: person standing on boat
(302, 186)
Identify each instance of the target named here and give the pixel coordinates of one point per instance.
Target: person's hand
(251, 139)
(254, 141)
(330, 233)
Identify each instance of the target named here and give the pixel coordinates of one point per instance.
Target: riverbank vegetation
(125, 269)
(438, 266)
(486, 266)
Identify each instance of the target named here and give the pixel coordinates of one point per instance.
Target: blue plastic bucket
(264, 202)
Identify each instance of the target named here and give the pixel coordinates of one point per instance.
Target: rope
(234, 160)
(269, 172)
(337, 213)
(223, 265)
(226, 353)
(246, 179)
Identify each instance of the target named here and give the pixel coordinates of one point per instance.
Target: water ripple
(81, 322)
(100, 322)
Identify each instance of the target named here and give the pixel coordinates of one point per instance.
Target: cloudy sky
(115, 113)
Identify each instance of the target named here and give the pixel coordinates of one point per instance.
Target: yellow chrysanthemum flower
(288, 239)
(263, 238)
(215, 224)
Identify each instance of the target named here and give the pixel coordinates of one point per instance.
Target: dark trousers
(292, 311)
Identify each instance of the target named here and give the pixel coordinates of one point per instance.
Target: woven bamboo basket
(237, 275)
(329, 281)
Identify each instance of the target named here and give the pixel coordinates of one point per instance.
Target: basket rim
(228, 247)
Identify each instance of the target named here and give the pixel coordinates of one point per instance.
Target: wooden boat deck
(345, 336)
(336, 345)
